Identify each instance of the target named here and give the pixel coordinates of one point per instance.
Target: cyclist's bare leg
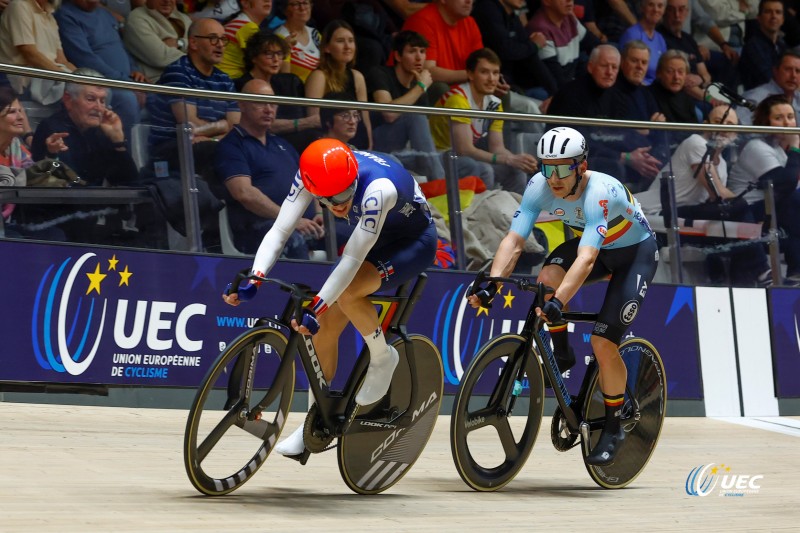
(326, 342)
(612, 377)
(613, 373)
(356, 304)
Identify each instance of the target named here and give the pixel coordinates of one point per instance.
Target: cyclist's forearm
(507, 255)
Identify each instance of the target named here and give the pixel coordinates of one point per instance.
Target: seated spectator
(91, 39)
(305, 40)
(406, 83)
(238, 31)
(156, 34)
(592, 94)
(264, 57)
(29, 38)
(337, 75)
(210, 119)
(762, 50)
(728, 20)
(258, 169)
(14, 159)
(668, 91)
(89, 138)
(452, 34)
(371, 23)
(785, 80)
(701, 174)
(479, 142)
(776, 158)
(645, 31)
(671, 28)
(640, 151)
(563, 37)
(503, 31)
(718, 54)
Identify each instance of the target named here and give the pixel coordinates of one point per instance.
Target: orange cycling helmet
(329, 170)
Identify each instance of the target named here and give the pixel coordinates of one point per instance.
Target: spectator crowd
(645, 60)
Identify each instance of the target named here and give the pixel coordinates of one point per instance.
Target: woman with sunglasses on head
(613, 240)
(394, 239)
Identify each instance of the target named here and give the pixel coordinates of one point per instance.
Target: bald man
(258, 169)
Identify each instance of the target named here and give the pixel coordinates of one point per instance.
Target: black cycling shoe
(604, 453)
(564, 364)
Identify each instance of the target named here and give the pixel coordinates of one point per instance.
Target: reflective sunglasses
(339, 199)
(563, 171)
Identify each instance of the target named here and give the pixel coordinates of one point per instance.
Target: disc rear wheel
(386, 439)
(646, 389)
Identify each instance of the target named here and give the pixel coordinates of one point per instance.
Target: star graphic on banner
(206, 269)
(484, 310)
(508, 299)
(112, 263)
(94, 280)
(124, 277)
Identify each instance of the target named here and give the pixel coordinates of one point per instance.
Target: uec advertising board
(127, 317)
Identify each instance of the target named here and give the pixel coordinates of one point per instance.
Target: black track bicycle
(242, 404)
(506, 377)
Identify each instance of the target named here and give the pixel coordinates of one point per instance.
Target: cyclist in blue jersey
(393, 241)
(614, 241)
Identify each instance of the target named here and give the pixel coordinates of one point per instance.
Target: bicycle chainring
(313, 443)
(562, 439)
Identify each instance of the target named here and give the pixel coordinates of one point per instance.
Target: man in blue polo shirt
(211, 119)
(258, 169)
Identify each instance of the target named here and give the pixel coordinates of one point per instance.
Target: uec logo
(66, 336)
(703, 479)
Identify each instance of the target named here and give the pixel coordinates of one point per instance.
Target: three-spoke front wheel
(483, 408)
(238, 412)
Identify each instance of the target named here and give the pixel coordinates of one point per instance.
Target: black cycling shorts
(631, 269)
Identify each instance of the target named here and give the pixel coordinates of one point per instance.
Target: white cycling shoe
(378, 378)
(293, 444)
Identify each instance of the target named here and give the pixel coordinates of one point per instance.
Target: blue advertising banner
(784, 309)
(126, 317)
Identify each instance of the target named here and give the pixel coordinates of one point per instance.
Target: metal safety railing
(190, 191)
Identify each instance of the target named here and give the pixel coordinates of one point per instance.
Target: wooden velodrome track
(109, 469)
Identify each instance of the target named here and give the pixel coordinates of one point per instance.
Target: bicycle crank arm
(584, 427)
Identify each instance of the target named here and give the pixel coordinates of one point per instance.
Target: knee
(549, 278)
(603, 349)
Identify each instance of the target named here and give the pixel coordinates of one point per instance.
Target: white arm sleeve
(379, 198)
(292, 210)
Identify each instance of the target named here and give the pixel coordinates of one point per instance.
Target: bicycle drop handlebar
(298, 294)
(540, 289)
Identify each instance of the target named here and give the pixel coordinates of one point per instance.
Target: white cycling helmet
(561, 143)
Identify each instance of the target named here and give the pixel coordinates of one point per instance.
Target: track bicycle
(242, 404)
(512, 366)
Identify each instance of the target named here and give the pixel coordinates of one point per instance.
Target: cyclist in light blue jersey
(614, 241)
(394, 240)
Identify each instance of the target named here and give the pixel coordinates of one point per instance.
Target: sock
(613, 411)
(558, 334)
(376, 342)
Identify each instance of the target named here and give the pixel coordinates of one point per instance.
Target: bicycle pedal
(301, 458)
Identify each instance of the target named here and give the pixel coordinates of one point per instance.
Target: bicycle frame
(536, 337)
(337, 408)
